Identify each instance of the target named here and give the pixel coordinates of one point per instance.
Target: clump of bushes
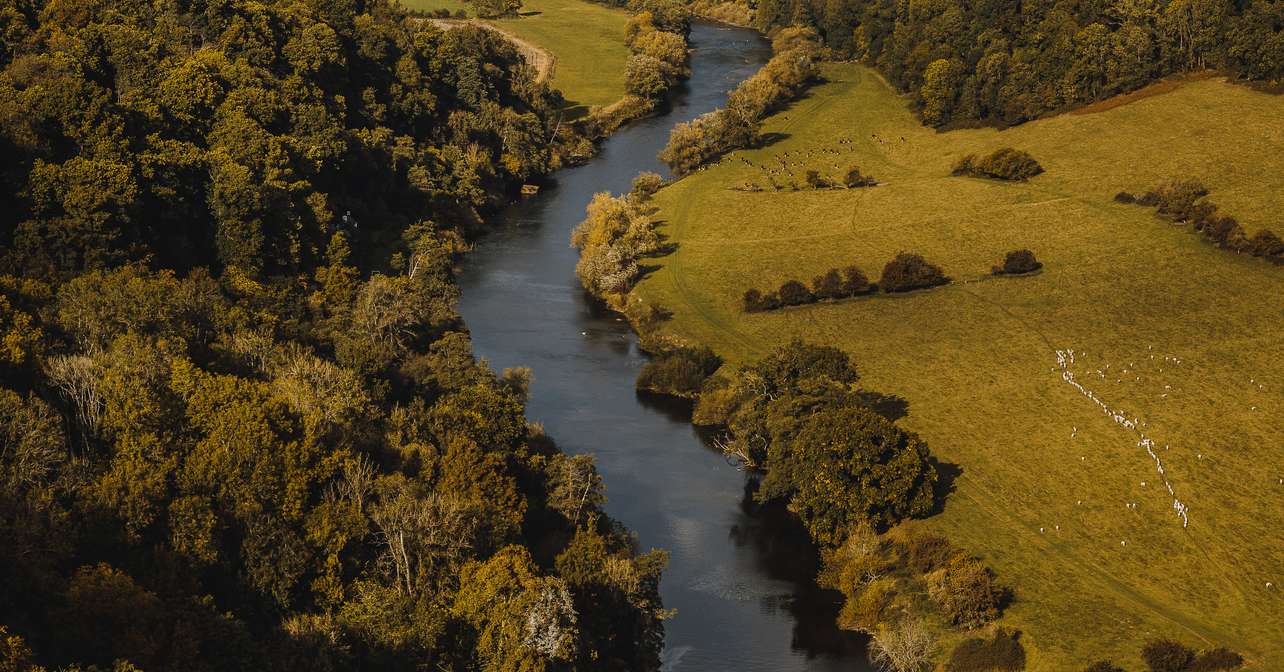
(831, 285)
(904, 273)
(882, 577)
(1182, 200)
(1166, 655)
(910, 271)
(966, 591)
(1017, 262)
(1216, 660)
(1175, 199)
(1001, 652)
(815, 181)
(1266, 244)
(680, 371)
(1002, 164)
(1125, 197)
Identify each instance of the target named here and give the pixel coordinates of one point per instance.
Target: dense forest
(241, 423)
(1003, 62)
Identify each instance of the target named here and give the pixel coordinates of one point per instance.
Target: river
(740, 579)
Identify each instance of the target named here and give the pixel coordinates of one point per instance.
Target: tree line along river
(741, 579)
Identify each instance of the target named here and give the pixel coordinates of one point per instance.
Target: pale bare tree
(421, 534)
(357, 482)
(79, 379)
(318, 389)
(31, 441)
(737, 451)
(574, 486)
(905, 647)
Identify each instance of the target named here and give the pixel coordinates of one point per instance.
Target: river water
(741, 579)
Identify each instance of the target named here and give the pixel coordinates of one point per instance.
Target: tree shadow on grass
(946, 475)
(530, 13)
(768, 139)
(889, 406)
(645, 271)
(667, 245)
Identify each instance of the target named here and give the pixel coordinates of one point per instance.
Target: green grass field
(1046, 477)
(586, 39)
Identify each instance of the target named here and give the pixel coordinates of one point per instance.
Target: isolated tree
(910, 271)
(1017, 262)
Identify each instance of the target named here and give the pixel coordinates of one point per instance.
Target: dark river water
(740, 579)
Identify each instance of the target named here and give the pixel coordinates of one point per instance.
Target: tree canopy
(241, 423)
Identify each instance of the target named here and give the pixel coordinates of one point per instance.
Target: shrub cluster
(883, 575)
(440, 13)
(1182, 200)
(910, 271)
(1017, 262)
(787, 74)
(494, 9)
(679, 371)
(904, 273)
(853, 179)
(850, 179)
(830, 285)
(1166, 655)
(966, 591)
(644, 187)
(1002, 164)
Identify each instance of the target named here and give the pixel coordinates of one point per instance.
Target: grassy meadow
(1185, 337)
(586, 39)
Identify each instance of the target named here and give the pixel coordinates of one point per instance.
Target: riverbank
(973, 363)
(741, 580)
